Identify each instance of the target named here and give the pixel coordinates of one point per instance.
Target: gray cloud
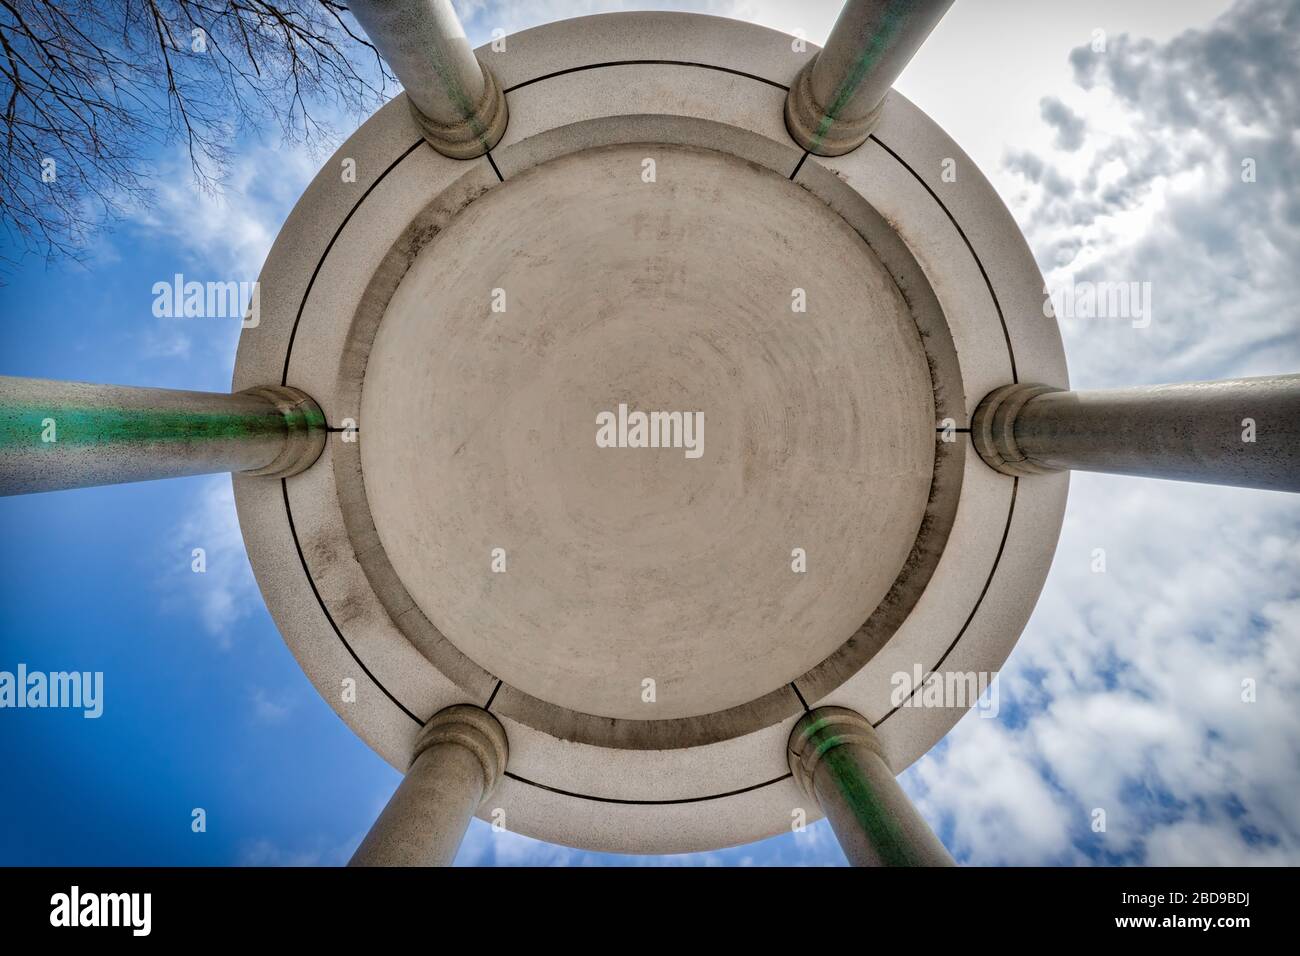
(1034, 169)
(1069, 125)
(1126, 691)
(1165, 199)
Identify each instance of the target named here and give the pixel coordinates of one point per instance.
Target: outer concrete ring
(962, 239)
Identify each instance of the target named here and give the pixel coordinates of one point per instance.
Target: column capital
(993, 429)
(475, 135)
(837, 98)
(474, 729)
(811, 127)
(305, 430)
(824, 729)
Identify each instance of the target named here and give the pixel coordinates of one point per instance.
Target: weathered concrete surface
(623, 565)
(458, 760)
(835, 101)
(56, 435)
(837, 760)
(1243, 432)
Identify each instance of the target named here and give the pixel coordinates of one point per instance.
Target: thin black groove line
(795, 688)
(1011, 510)
(302, 304)
(488, 705)
(1011, 352)
(488, 154)
(331, 429)
(587, 796)
(598, 66)
(959, 431)
(799, 165)
(288, 510)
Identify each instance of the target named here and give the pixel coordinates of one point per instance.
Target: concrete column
(56, 435)
(835, 101)
(1243, 432)
(458, 760)
(836, 758)
(455, 98)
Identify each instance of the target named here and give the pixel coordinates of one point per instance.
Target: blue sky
(1123, 694)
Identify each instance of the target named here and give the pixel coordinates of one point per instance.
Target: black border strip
(289, 352)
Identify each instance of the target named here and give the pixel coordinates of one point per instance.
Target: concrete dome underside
(476, 430)
(619, 566)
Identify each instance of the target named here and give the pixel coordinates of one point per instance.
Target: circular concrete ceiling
(647, 236)
(781, 367)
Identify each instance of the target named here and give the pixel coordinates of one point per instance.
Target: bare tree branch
(91, 92)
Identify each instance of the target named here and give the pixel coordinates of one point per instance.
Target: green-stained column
(458, 759)
(454, 98)
(837, 759)
(834, 102)
(57, 435)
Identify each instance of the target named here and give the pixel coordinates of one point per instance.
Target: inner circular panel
(500, 410)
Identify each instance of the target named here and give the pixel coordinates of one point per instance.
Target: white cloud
(230, 231)
(1125, 692)
(1149, 188)
(267, 709)
(319, 852)
(226, 593)
(216, 236)
(812, 18)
